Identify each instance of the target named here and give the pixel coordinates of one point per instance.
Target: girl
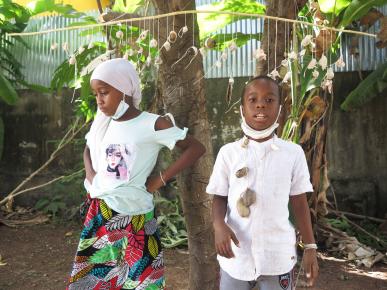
(119, 246)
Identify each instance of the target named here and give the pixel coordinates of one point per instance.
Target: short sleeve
(87, 139)
(300, 175)
(169, 137)
(218, 183)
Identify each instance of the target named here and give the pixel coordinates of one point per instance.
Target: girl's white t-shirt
(126, 157)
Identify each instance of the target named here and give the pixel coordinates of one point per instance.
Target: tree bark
(278, 8)
(181, 92)
(275, 51)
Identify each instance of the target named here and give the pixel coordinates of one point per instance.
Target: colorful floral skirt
(117, 251)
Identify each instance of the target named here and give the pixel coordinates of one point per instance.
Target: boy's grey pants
(279, 282)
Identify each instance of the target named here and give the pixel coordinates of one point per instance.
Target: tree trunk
(277, 8)
(275, 51)
(181, 92)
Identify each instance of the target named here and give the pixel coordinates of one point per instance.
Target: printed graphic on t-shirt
(119, 159)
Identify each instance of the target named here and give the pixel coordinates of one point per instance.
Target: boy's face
(261, 104)
(107, 97)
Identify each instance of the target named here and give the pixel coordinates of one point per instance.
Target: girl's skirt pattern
(117, 251)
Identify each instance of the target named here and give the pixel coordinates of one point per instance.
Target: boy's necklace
(248, 197)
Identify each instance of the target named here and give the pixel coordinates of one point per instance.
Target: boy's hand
(153, 183)
(310, 266)
(223, 237)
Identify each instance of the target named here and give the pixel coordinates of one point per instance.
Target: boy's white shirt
(267, 238)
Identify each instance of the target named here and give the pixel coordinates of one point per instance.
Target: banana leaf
(222, 40)
(357, 9)
(369, 88)
(128, 6)
(7, 92)
(210, 23)
(329, 6)
(42, 6)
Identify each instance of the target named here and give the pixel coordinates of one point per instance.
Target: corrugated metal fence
(40, 61)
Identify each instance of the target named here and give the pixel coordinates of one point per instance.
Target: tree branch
(100, 9)
(69, 136)
(339, 213)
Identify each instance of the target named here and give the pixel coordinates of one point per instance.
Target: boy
(252, 182)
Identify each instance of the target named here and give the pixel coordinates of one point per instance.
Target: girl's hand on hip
(153, 183)
(223, 237)
(310, 266)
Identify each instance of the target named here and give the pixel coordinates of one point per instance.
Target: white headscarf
(121, 75)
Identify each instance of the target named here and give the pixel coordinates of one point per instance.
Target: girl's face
(107, 97)
(261, 104)
(113, 158)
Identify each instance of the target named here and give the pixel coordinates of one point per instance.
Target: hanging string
(275, 46)
(251, 46)
(193, 29)
(190, 12)
(286, 50)
(268, 46)
(150, 36)
(167, 29)
(126, 40)
(330, 47)
(131, 40)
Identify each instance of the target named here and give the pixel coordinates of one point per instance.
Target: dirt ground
(39, 257)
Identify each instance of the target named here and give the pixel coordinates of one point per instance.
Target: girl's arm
(301, 212)
(192, 150)
(90, 173)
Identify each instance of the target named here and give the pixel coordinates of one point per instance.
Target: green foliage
(171, 223)
(212, 22)
(7, 91)
(127, 6)
(13, 18)
(52, 205)
(43, 6)
(222, 41)
(357, 9)
(371, 227)
(341, 13)
(333, 6)
(84, 20)
(372, 86)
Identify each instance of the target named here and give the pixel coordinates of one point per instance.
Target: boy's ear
(242, 110)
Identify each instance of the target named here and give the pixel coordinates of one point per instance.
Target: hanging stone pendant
(245, 142)
(242, 172)
(243, 210)
(249, 197)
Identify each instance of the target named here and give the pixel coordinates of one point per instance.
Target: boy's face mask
(255, 134)
(121, 109)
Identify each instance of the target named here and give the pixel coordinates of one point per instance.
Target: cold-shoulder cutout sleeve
(169, 136)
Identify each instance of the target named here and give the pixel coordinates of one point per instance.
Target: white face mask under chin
(121, 109)
(258, 134)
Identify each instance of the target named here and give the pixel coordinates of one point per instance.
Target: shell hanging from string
(230, 87)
